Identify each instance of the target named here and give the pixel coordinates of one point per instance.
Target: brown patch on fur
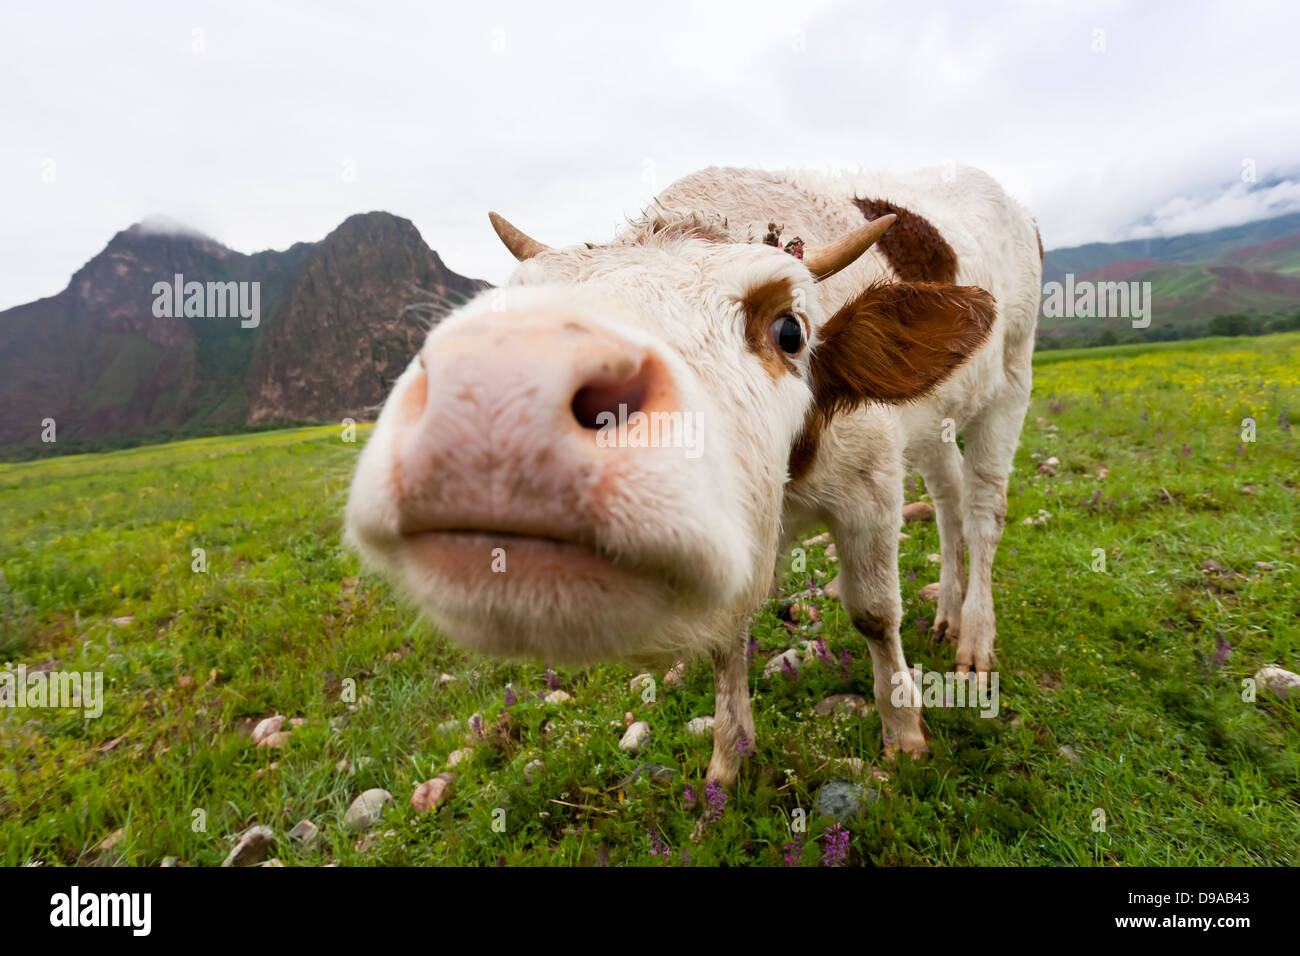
(893, 342)
(915, 249)
(1040, 243)
(762, 305)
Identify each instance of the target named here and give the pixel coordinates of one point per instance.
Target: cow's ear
(896, 341)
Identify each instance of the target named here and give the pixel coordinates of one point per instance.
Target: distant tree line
(1229, 324)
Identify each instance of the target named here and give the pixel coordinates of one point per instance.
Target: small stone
(831, 551)
(929, 592)
(843, 800)
(843, 704)
(445, 679)
(1069, 753)
(1102, 473)
(700, 726)
(276, 740)
(112, 840)
(805, 610)
(297, 722)
(635, 738)
(457, 756)
(832, 588)
(304, 833)
(823, 538)
(656, 772)
(252, 847)
(934, 558)
(1053, 461)
(1282, 683)
(918, 511)
(448, 728)
(532, 769)
(274, 861)
(1248, 489)
(266, 727)
(904, 536)
(640, 679)
(1209, 564)
(1045, 469)
(558, 697)
(168, 862)
(432, 793)
(777, 664)
(673, 676)
(367, 809)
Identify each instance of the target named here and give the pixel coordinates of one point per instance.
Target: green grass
(1120, 666)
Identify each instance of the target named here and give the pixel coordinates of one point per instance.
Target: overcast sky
(262, 124)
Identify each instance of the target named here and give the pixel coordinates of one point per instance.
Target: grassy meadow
(1121, 689)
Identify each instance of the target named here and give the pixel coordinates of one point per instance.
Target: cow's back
(956, 225)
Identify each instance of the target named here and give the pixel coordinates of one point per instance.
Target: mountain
(1251, 268)
(112, 355)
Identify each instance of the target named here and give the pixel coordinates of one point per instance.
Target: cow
(825, 333)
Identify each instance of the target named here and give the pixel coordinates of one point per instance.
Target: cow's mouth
(491, 555)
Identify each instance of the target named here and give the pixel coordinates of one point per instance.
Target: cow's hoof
(914, 743)
(981, 662)
(944, 631)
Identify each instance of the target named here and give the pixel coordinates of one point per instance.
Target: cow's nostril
(592, 402)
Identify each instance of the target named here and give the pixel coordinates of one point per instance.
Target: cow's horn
(824, 261)
(521, 246)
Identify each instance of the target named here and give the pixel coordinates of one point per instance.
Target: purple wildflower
(794, 851)
(717, 799)
(657, 845)
(846, 661)
(788, 669)
(688, 795)
(751, 648)
(1221, 650)
(1158, 436)
(509, 698)
(911, 577)
(922, 625)
(1146, 416)
(476, 725)
(837, 846)
(744, 747)
(552, 680)
(824, 652)
(1187, 451)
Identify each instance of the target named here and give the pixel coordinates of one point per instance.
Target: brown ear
(896, 341)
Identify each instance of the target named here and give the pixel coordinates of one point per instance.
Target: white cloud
(1237, 204)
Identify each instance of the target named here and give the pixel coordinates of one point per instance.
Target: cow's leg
(990, 445)
(733, 719)
(940, 465)
(867, 543)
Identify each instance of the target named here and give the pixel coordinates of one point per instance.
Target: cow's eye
(787, 333)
